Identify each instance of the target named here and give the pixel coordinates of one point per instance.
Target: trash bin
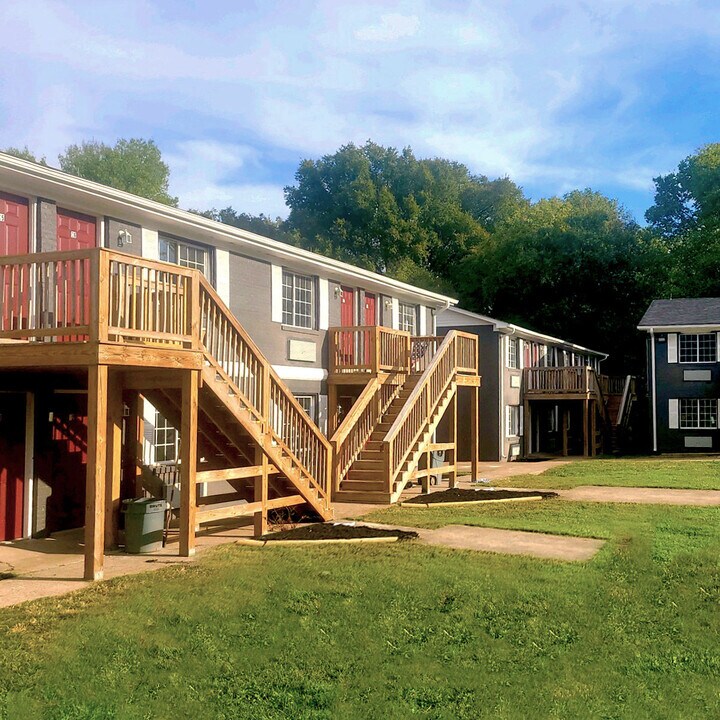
(144, 524)
(437, 460)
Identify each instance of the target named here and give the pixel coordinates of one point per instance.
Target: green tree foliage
(259, 224)
(24, 153)
(688, 198)
(133, 165)
(387, 210)
(578, 267)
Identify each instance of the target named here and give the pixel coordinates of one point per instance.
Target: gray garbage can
(437, 460)
(144, 524)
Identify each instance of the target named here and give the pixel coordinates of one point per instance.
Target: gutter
(654, 389)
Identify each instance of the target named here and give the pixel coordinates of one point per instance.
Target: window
(298, 300)
(184, 254)
(512, 353)
(408, 316)
(308, 404)
(697, 414)
(165, 440)
(513, 420)
(698, 348)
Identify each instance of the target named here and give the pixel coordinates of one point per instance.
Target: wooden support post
(188, 461)
(425, 479)
(565, 417)
(260, 519)
(113, 473)
(474, 432)
(332, 409)
(593, 438)
(527, 430)
(452, 476)
(95, 477)
(586, 438)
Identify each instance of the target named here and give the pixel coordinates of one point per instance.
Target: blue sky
(558, 95)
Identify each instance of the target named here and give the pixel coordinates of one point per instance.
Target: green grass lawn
(644, 472)
(391, 631)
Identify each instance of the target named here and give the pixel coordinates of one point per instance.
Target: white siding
(222, 275)
(395, 314)
(323, 304)
(276, 291)
(423, 320)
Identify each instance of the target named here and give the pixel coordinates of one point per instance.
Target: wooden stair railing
(457, 354)
(357, 426)
(255, 391)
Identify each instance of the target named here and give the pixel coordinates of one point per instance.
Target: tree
(577, 267)
(688, 198)
(133, 165)
(24, 154)
(259, 224)
(383, 209)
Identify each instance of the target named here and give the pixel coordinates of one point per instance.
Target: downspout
(654, 389)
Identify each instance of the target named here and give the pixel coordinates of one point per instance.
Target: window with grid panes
(165, 440)
(308, 404)
(513, 420)
(408, 317)
(298, 300)
(512, 353)
(698, 414)
(184, 254)
(700, 348)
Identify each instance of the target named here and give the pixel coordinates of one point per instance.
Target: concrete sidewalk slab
(514, 542)
(641, 495)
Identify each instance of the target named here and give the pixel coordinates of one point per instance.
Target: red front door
(370, 310)
(347, 307)
(75, 231)
(12, 465)
(14, 240)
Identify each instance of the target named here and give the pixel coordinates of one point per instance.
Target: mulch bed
(458, 495)
(331, 531)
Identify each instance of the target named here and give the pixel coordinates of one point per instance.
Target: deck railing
(368, 349)
(261, 391)
(561, 380)
(95, 294)
(457, 354)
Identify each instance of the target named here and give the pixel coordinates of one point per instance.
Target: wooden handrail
(252, 377)
(357, 426)
(422, 403)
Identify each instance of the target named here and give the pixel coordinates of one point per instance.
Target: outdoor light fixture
(124, 238)
(338, 291)
(388, 304)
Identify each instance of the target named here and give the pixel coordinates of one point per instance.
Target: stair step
(362, 486)
(364, 474)
(357, 496)
(365, 463)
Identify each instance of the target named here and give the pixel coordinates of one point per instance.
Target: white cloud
(552, 91)
(391, 27)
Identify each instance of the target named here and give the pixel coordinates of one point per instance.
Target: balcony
(569, 383)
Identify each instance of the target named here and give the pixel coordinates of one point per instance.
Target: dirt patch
(461, 495)
(338, 531)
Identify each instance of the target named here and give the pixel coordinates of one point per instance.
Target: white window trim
(696, 362)
(276, 283)
(680, 426)
(313, 300)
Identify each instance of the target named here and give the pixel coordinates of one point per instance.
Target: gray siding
(47, 225)
(113, 228)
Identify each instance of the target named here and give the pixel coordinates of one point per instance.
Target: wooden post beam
(474, 432)
(260, 522)
(113, 473)
(95, 476)
(188, 461)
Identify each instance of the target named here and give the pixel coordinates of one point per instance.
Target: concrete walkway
(54, 566)
(647, 496)
(507, 542)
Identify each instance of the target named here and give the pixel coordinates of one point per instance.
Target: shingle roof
(682, 312)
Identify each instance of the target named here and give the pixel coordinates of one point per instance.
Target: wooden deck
(122, 326)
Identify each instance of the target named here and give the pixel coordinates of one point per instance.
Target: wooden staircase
(380, 443)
